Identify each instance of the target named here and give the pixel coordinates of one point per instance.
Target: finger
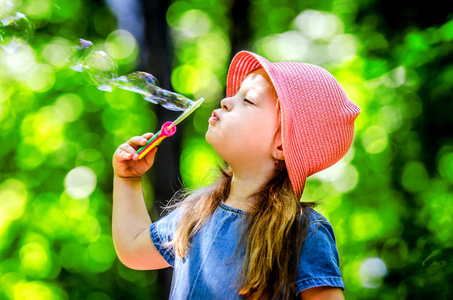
(122, 155)
(129, 149)
(148, 135)
(137, 141)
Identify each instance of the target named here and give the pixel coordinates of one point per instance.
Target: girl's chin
(209, 136)
(215, 143)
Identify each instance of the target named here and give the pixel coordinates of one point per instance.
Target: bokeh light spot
(80, 182)
(74, 207)
(41, 78)
(348, 181)
(121, 44)
(365, 225)
(38, 9)
(71, 256)
(343, 48)
(343, 176)
(31, 157)
(196, 159)
(174, 12)
(414, 176)
(287, 46)
(18, 63)
(375, 139)
(104, 21)
(103, 251)
(43, 130)
(35, 260)
(185, 79)
(68, 107)
(138, 278)
(14, 196)
(210, 86)
(372, 272)
(8, 281)
(194, 23)
(213, 50)
(390, 118)
(445, 166)
(86, 229)
(56, 51)
(37, 290)
(395, 78)
(91, 158)
(318, 25)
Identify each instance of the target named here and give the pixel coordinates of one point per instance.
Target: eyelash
(248, 101)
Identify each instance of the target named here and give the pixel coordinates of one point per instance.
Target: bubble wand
(168, 129)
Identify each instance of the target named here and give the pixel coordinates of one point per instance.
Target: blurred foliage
(389, 200)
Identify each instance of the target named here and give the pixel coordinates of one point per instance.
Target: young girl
(247, 236)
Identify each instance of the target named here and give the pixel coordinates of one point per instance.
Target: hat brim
(242, 64)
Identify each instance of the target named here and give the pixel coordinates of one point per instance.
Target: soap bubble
(78, 54)
(98, 65)
(102, 71)
(16, 25)
(146, 85)
(15, 28)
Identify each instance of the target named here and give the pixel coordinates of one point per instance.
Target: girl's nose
(226, 104)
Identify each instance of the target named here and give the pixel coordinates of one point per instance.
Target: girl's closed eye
(248, 101)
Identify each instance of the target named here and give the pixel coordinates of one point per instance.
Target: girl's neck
(242, 188)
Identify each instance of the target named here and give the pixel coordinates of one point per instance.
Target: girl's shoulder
(319, 262)
(316, 217)
(317, 222)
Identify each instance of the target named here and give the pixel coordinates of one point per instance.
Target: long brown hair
(274, 231)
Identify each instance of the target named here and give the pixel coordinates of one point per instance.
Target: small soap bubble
(15, 28)
(6, 7)
(102, 70)
(98, 65)
(17, 25)
(78, 55)
(85, 43)
(12, 45)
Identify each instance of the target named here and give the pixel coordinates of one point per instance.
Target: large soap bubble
(102, 71)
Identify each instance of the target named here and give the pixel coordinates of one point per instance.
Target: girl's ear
(277, 148)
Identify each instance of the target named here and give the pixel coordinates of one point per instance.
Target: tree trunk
(156, 58)
(241, 31)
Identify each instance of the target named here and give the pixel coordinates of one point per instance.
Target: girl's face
(243, 130)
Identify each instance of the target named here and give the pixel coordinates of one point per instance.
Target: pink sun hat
(317, 117)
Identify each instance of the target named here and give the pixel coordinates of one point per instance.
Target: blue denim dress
(210, 271)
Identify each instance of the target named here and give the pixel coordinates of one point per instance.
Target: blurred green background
(389, 200)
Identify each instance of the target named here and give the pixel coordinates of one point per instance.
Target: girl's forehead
(263, 73)
(259, 80)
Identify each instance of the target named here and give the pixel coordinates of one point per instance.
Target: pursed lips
(214, 118)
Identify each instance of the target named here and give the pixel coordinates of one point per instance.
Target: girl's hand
(125, 159)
